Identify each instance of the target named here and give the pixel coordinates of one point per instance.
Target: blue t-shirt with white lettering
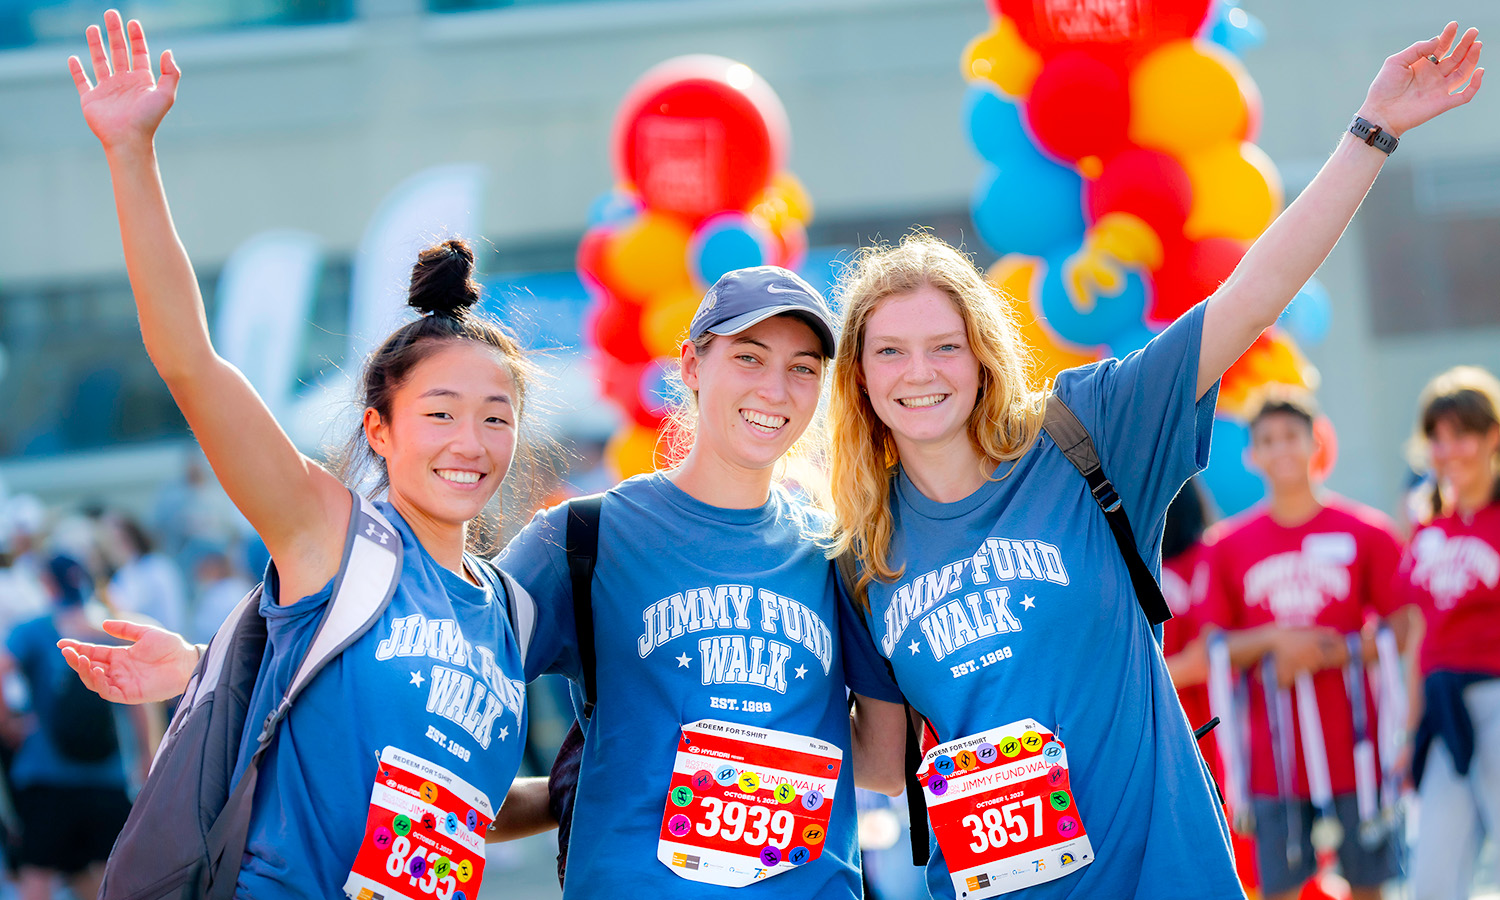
(699, 613)
(439, 676)
(1015, 603)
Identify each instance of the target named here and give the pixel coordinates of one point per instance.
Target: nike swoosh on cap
(774, 289)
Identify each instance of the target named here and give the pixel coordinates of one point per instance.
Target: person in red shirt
(1452, 571)
(1295, 582)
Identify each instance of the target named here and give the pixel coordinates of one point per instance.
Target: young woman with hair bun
(1452, 571)
(442, 396)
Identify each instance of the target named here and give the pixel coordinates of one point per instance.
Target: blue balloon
(613, 205)
(1117, 320)
(1234, 487)
(995, 127)
(1309, 315)
(1032, 205)
(658, 390)
(1232, 28)
(724, 247)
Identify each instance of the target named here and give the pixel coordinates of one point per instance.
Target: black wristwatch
(1374, 135)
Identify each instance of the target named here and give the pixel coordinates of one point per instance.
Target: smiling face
(1282, 447)
(450, 435)
(1461, 458)
(757, 390)
(919, 370)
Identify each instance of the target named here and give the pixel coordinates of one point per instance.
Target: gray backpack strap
(1063, 426)
(522, 610)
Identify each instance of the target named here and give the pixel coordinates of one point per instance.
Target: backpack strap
(522, 608)
(916, 801)
(1073, 440)
(582, 546)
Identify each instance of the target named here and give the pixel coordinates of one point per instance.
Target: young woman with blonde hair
(991, 579)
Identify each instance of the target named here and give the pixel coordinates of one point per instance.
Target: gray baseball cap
(746, 297)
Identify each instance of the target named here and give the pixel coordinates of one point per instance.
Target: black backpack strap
(1076, 444)
(916, 801)
(582, 546)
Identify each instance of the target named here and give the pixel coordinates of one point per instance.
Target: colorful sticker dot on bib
(749, 782)
(382, 838)
(1067, 826)
(1052, 752)
(943, 765)
(1010, 747)
(450, 824)
(1031, 741)
(679, 825)
(682, 795)
(986, 752)
(702, 779)
(785, 793)
(938, 785)
(813, 834)
(798, 855)
(418, 866)
(726, 775)
(401, 825)
(1057, 776)
(440, 866)
(966, 760)
(771, 855)
(471, 819)
(464, 870)
(812, 799)
(459, 895)
(1060, 800)
(428, 792)
(429, 821)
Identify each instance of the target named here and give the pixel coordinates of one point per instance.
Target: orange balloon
(1189, 95)
(1272, 359)
(664, 322)
(647, 258)
(632, 451)
(1019, 279)
(1001, 57)
(1236, 192)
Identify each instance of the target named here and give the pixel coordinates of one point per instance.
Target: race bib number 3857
(746, 803)
(424, 837)
(1003, 810)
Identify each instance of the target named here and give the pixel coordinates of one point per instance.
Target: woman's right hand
(126, 103)
(154, 666)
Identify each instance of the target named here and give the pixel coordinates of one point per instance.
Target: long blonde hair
(1005, 421)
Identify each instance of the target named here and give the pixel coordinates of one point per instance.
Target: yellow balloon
(1019, 279)
(648, 258)
(632, 450)
(1187, 95)
(1272, 359)
(1236, 192)
(798, 204)
(1000, 56)
(664, 321)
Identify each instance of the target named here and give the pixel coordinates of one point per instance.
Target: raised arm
(299, 509)
(1415, 85)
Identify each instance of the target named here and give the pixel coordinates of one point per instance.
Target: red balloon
(620, 382)
(698, 135)
(590, 259)
(1079, 107)
(1190, 272)
(616, 329)
(1144, 183)
(1113, 30)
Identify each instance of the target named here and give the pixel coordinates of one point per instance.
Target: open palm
(1424, 80)
(156, 665)
(125, 102)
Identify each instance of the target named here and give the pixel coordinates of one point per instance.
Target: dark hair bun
(442, 281)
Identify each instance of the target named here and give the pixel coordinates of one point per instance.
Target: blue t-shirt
(1051, 590)
(663, 558)
(38, 761)
(438, 676)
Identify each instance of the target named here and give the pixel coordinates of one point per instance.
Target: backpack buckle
(1104, 493)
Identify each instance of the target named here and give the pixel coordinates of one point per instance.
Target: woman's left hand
(1410, 88)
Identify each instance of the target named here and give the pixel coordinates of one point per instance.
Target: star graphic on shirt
(416, 678)
(684, 661)
(915, 647)
(1029, 602)
(801, 671)
(505, 732)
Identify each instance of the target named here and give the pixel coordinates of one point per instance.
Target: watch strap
(1373, 135)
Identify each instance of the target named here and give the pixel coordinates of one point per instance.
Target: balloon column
(699, 147)
(1122, 184)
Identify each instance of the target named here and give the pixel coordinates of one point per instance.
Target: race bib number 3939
(746, 803)
(1003, 810)
(424, 837)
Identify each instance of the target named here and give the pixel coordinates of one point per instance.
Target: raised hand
(125, 103)
(1424, 80)
(155, 666)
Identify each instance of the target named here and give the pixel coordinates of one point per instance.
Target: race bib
(424, 837)
(746, 803)
(1003, 811)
